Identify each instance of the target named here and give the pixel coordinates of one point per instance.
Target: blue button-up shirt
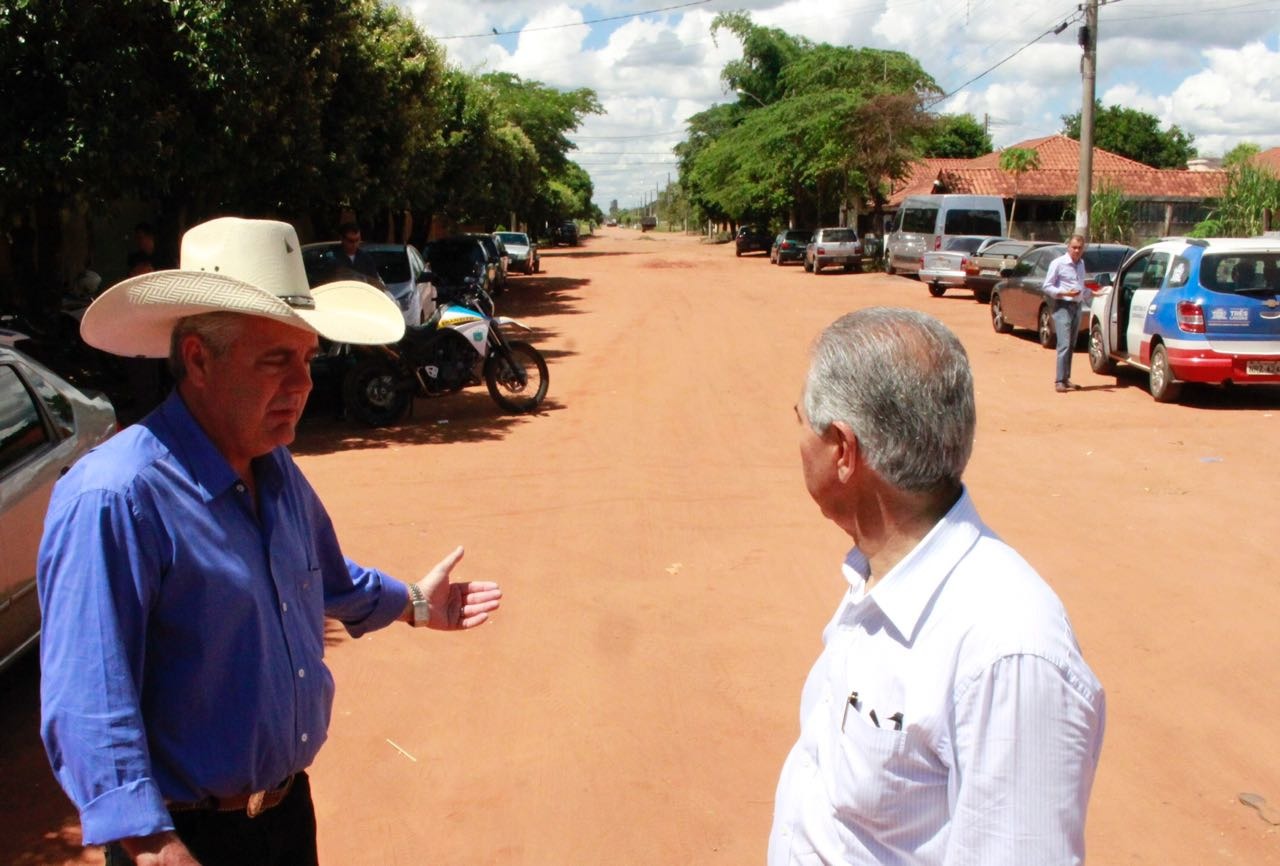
(184, 629)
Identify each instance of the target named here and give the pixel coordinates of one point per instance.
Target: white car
(400, 267)
(522, 251)
(45, 425)
(945, 268)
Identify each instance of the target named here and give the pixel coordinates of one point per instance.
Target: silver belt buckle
(254, 807)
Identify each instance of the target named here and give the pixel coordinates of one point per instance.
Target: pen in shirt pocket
(896, 718)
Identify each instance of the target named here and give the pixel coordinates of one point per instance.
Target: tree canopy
(287, 108)
(956, 136)
(815, 129)
(1136, 135)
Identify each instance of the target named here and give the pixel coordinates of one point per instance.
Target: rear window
(839, 236)
(1241, 272)
(514, 238)
(922, 219)
(1010, 248)
(972, 222)
(798, 237)
(393, 266)
(1096, 261)
(963, 245)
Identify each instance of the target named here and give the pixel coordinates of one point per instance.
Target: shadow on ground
(38, 824)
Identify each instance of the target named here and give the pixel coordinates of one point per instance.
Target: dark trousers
(283, 836)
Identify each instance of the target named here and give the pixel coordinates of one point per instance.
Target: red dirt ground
(667, 578)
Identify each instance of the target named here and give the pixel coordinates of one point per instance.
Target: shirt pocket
(880, 772)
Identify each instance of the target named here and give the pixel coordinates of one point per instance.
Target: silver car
(45, 425)
(522, 252)
(945, 268)
(833, 246)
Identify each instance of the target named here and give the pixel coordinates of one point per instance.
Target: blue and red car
(1193, 310)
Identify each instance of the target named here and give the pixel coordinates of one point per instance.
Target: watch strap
(421, 607)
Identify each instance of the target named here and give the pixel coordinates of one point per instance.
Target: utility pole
(1089, 74)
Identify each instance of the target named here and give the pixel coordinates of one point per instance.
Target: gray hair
(901, 381)
(217, 330)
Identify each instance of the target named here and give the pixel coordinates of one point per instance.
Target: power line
(1057, 28)
(626, 137)
(496, 32)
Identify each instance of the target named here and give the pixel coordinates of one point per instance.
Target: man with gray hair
(950, 718)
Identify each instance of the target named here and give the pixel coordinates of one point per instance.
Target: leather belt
(252, 805)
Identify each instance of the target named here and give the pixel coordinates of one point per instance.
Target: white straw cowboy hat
(240, 266)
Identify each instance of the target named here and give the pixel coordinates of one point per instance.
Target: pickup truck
(982, 272)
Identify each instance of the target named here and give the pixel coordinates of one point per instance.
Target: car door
(26, 483)
(1138, 286)
(1023, 291)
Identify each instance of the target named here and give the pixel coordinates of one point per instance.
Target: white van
(924, 222)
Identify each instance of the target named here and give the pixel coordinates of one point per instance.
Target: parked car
(45, 425)
(453, 260)
(1019, 300)
(789, 246)
(522, 250)
(943, 269)
(752, 239)
(833, 246)
(924, 222)
(565, 232)
(400, 268)
(1193, 310)
(982, 271)
(498, 260)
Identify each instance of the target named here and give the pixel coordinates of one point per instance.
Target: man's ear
(848, 449)
(195, 358)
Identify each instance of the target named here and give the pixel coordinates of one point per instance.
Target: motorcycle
(458, 346)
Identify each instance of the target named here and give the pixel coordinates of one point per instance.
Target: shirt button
(304, 738)
(239, 488)
(284, 606)
(302, 672)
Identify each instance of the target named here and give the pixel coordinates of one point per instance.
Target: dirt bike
(457, 347)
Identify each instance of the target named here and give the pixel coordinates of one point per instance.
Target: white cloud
(1202, 64)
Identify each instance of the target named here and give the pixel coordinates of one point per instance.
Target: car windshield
(515, 238)
(393, 265)
(451, 260)
(839, 236)
(1101, 260)
(1241, 272)
(963, 245)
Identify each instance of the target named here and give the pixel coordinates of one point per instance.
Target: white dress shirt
(1065, 276)
(1000, 718)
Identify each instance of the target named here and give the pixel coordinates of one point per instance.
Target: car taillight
(937, 242)
(1092, 285)
(964, 263)
(822, 251)
(1190, 317)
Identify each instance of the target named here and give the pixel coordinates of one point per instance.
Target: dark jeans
(283, 836)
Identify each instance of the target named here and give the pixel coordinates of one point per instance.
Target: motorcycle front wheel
(373, 392)
(518, 385)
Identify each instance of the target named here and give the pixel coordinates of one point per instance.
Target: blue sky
(1210, 66)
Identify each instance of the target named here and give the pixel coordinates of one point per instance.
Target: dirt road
(667, 577)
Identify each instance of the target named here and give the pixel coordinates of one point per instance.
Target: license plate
(1262, 368)
(987, 272)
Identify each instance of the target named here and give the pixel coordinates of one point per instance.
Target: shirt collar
(903, 595)
(174, 425)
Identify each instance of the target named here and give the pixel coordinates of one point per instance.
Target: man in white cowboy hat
(187, 566)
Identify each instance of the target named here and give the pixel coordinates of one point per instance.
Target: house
(1268, 159)
(1166, 201)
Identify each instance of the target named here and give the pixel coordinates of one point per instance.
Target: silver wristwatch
(421, 607)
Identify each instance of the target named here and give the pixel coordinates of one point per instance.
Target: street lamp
(741, 92)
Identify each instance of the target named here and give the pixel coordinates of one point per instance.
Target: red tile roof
(1269, 159)
(1059, 175)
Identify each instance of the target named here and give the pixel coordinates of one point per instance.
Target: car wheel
(1098, 360)
(1164, 388)
(1044, 329)
(738, 253)
(999, 323)
(888, 264)
(817, 265)
(981, 296)
(937, 289)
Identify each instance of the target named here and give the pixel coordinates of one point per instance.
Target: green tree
(1017, 161)
(955, 136)
(1250, 190)
(1241, 153)
(1136, 135)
